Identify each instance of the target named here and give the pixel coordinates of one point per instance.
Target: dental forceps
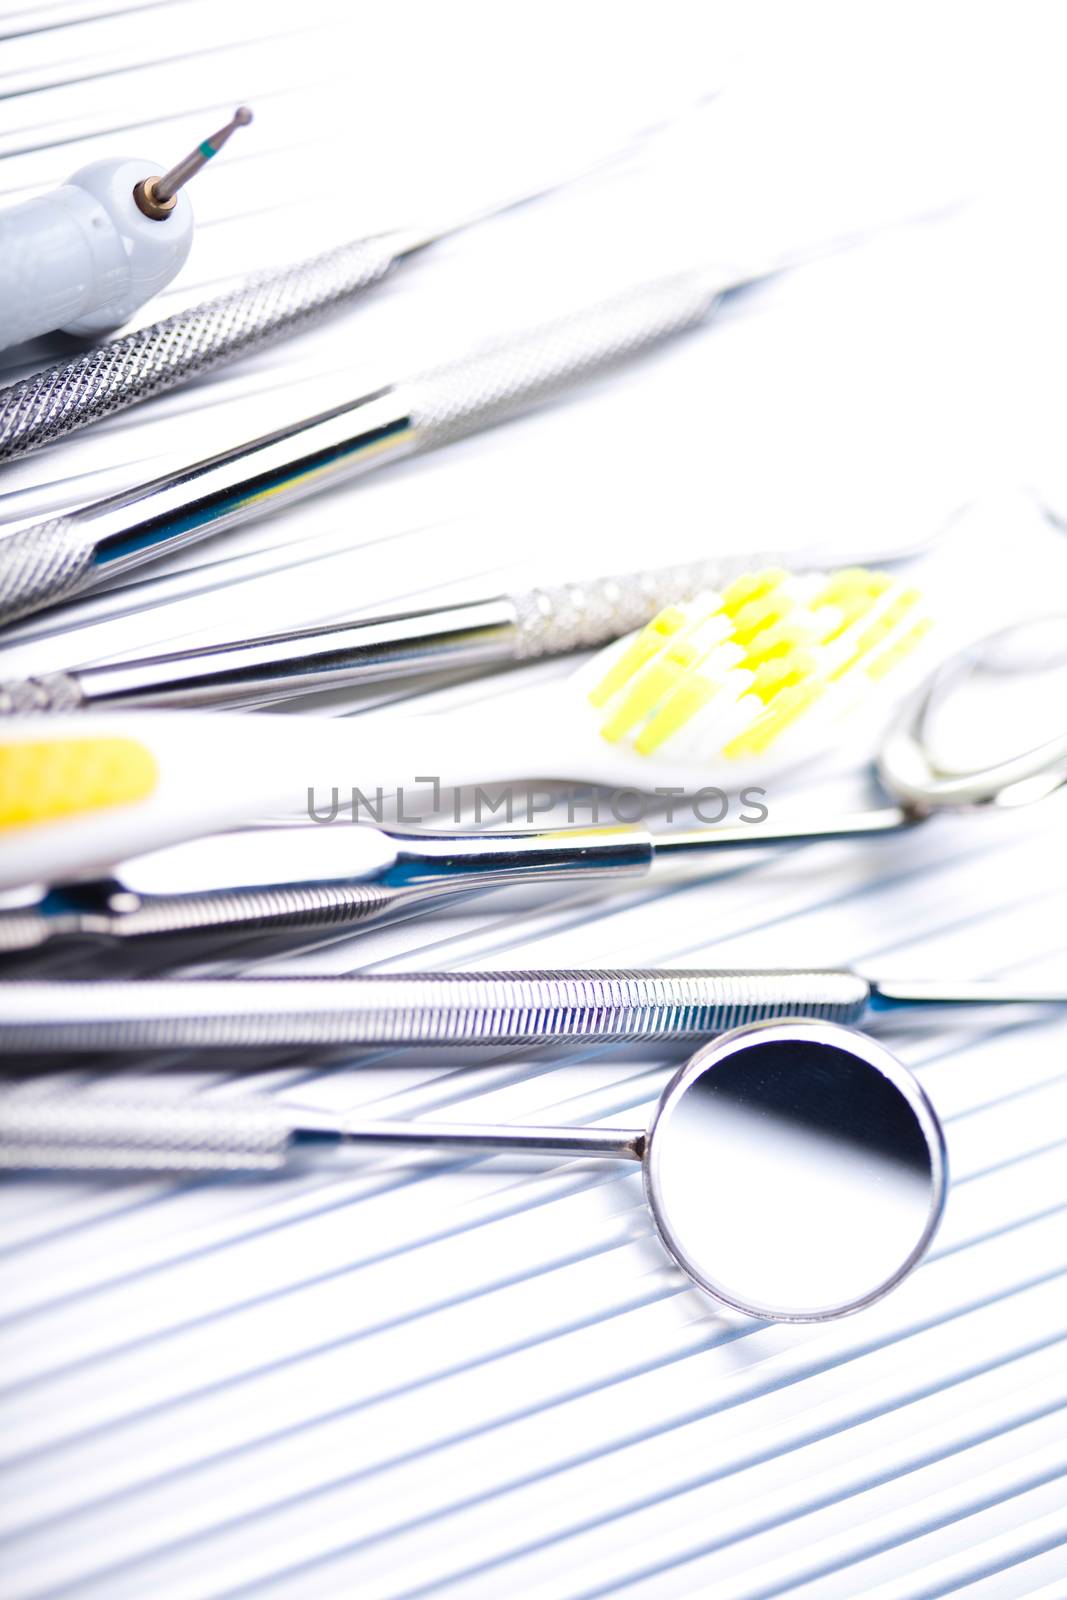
(291, 878)
(824, 1118)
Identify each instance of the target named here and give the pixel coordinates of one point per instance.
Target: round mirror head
(988, 726)
(795, 1170)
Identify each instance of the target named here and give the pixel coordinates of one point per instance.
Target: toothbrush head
(738, 678)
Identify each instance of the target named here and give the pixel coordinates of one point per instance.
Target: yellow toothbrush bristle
(745, 665)
(679, 707)
(42, 780)
(886, 660)
(644, 646)
(785, 708)
(884, 625)
(751, 586)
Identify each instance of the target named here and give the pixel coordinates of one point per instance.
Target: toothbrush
(719, 691)
(448, 1008)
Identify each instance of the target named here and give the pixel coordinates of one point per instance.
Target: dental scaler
(86, 256)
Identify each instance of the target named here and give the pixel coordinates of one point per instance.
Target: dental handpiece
(55, 560)
(86, 256)
(451, 1008)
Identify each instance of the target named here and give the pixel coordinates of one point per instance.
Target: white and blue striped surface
(476, 1378)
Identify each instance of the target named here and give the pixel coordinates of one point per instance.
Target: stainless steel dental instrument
(70, 395)
(54, 560)
(41, 1016)
(821, 1117)
(548, 621)
(329, 878)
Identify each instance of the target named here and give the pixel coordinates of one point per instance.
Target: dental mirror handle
(81, 1132)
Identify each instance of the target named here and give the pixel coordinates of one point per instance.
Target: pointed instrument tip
(162, 190)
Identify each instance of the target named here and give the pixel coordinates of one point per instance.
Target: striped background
(478, 1378)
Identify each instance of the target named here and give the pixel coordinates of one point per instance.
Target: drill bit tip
(159, 192)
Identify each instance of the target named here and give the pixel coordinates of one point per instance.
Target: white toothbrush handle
(78, 794)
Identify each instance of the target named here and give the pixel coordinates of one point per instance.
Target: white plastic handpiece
(85, 257)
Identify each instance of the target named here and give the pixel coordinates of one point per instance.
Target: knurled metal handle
(152, 360)
(57, 692)
(526, 369)
(580, 616)
(87, 1132)
(442, 1008)
(42, 565)
(254, 909)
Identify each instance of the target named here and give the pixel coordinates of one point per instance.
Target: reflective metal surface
(260, 671)
(989, 727)
(224, 490)
(424, 1008)
(795, 1171)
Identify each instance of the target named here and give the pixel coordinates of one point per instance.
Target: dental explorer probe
(550, 620)
(63, 398)
(273, 880)
(454, 1008)
(57, 559)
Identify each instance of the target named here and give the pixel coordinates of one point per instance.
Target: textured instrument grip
(41, 565)
(168, 353)
(579, 616)
(524, 370)
(434, 1008)
(89, 1133)
(257, 909)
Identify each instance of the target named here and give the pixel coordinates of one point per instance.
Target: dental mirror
(794, 1170)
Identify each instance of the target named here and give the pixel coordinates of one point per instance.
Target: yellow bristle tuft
(644, 646)
(651, 685)
(772, 642)
(751, 586)
(879, 630)
(886, 660)
(759, 615)
(782, 671)
(684, 702)
(44, 779)
(778, 641)
(842, 586)
(785, 708)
